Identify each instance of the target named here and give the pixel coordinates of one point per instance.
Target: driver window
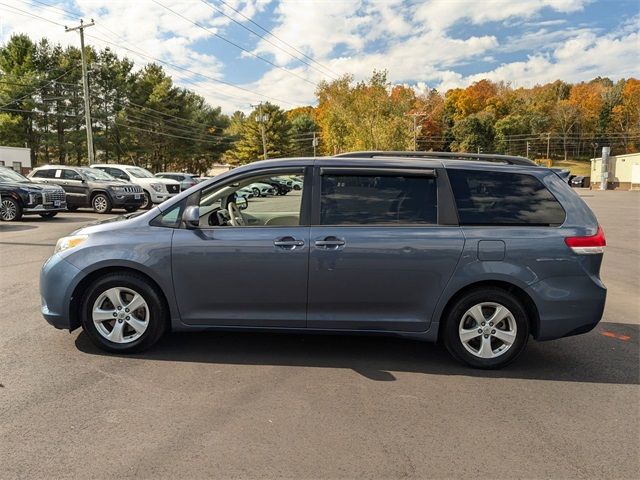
(263, 200)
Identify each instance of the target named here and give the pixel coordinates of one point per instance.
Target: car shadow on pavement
(16, 228)
(609, 354)
(63, 219)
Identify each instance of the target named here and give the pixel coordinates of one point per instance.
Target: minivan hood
(129, 220)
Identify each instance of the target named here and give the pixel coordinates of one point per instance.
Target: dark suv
(20, 196)
(478, 254)
(88, 187)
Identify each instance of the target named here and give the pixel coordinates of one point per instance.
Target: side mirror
(241, 203)
(191, 217)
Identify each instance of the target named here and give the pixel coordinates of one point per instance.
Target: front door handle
(288, 243)
(330, 243)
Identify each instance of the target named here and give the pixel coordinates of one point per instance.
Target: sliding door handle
(330, 243)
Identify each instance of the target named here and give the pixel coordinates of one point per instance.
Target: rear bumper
(57, 280)
(567, 305)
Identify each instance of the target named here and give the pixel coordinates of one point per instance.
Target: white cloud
(424, 44)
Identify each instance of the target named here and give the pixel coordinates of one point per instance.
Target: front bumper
(159, 197)
(57, 281)
(127, 200)
(44, 208)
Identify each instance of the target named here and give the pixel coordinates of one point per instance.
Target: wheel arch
(97, 191)
(14, 196)
(518, 292)
(78, 291)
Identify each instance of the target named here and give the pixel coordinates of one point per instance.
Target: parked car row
(102, 187)
(53, 188)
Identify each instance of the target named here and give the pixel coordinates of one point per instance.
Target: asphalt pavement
(244, 405)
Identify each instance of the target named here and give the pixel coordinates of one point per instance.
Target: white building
(624, 172)
(17, 158)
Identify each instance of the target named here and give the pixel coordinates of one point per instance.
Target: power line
(33, 15)
(184, 69)
(166, 134)
(56, 114)
(264, 38)
(48, 5)
(39, 88)
(217, 35)
(278, 38)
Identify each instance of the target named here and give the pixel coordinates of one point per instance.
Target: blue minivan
(476, 251)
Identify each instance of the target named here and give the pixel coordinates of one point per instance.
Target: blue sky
(426, 44)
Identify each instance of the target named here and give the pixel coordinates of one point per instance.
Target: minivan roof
(487, 157)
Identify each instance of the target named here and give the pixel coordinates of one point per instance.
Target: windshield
(95, 174)
(8, 175)
(139, 172)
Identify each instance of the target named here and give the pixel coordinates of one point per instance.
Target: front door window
(260, 201)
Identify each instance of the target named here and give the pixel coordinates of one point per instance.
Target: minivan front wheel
(123, 313)
(486, 328)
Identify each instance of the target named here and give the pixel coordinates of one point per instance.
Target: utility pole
(85, 86)
(415, 127)
(315, 143)
(604, 168)
(261, 120)
(548, 142)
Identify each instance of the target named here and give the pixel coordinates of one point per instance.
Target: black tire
(131, 209)
(158, 313)
(72, 208)
(456, 315)
(48, 214)
(10, 210)
(256, 192)
(101, 203)
(147, 204)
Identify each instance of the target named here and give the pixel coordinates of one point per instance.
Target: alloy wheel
(100, 204)
(8, 210)
(487, 330)
(121, 315)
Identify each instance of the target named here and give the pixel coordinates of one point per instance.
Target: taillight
(587, 245)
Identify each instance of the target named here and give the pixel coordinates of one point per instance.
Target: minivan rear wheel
(123, 313)
(486, 328)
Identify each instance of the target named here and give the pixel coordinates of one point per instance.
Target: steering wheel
(235, 215)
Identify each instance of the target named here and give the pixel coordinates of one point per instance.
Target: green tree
(473, 133)
(277, 131)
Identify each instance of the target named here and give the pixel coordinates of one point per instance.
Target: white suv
(156, 190)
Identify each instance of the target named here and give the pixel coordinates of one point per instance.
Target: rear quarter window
(47, 173)
(502, 198)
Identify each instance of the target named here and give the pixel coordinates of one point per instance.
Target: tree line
(142, 117)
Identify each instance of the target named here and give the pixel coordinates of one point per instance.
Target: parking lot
(244, 405)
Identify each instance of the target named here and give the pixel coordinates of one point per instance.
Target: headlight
(117, 189)
(65, 243)
(157, 187)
